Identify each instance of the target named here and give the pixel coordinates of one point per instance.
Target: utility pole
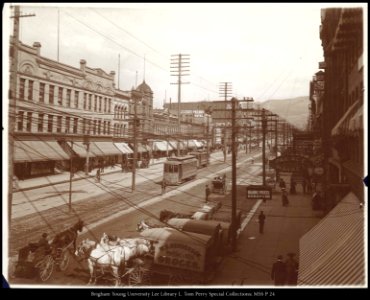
(276, 137)
(233, 175)
(135, 96)
(13, 102)
(179, 67)
(225, 89)
(264, 125)
(70, 180)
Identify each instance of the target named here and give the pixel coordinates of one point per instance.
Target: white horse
(104, 256)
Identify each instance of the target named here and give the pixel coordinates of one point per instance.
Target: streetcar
(202, 157)
(178, 169)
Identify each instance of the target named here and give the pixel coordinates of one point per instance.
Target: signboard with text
(259, 192)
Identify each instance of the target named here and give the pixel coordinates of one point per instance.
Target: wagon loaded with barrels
(37, 260)
(181, 257)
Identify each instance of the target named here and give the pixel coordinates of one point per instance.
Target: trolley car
(179, 169)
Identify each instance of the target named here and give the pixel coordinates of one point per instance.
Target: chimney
(82, 65)
(37, 46)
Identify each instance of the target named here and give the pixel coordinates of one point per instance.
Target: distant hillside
(294, 110)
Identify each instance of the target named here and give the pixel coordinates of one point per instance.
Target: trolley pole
(233, 176)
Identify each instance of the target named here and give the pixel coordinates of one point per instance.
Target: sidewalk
(252, 262)
(39, 182)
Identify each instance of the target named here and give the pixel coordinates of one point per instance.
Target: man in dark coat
(208, 192)
(261, 220)
(291, 270)
(278, 273)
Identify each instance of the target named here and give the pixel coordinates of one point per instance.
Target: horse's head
(141, 226)
(84, 248)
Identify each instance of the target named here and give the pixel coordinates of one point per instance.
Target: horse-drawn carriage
(38, 260)
(219, 185)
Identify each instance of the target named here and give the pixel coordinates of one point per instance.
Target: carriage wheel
(139, 276)
(63, 264)
(45, 267)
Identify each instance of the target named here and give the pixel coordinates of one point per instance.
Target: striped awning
(174, 145)
(357, 121)
(124, 148)
(343, 127)
(29, 151)
(332, 252)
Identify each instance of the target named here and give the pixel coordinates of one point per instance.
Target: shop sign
(259, 192)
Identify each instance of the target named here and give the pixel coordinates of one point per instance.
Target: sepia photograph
(185, 146)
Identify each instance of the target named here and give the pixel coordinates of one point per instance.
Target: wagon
(219, 185)
(179, 258)
(36, 261)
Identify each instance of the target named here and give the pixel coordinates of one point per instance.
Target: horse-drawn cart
(38, 260)
(219, 185)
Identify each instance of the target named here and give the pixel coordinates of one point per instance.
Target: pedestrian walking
(292, 186)
(98, 175)
(291, 269)
(208, 192)
(284, 198)
(282, 184)
(163, 187)
(278, 272)
(261, 220)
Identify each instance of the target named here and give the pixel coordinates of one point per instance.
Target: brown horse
(66, 237)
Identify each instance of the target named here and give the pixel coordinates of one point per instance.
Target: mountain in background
(294, 110)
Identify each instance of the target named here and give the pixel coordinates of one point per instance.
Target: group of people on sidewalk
(285, 272)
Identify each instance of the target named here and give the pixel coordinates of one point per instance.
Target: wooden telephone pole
(14, 45)
(179, 68)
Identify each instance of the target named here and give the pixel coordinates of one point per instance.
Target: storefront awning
(332, 253)
(124, 148)
(29, 151)
(79, 148)
(140, 148)
(343, 125)
(108, 148)
(161, 146)
(198, 144)
(174, 145)
(357, 122)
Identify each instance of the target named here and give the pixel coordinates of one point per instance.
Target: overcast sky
(267, 51)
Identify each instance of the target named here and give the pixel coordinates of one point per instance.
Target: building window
(20, 120)
(88, 126)
(22, 88)
(104, 125)
(40, 123)
(30, 90)
(69, 92)
(100, 100)
(105, 104)
(60, 96)
(29, 121)
(68, 124)
(95, 103)
(83, 125)
(51, 94)
(59, 124)
(109, 103)
(90, 101)
(108, 127)
(75, 125)
(85, 100)
(50, 123)
(76, 98)
(94, 127)
(99, 126)
(42, 92)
